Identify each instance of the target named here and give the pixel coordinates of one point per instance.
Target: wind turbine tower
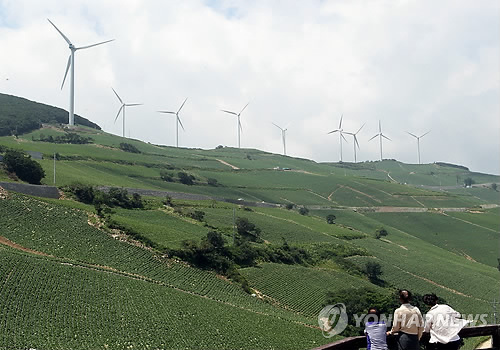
(356, 144)
(283, 137)
(418, 142)
(122, 109)
(239, 122)
(380, 135)
(177, 122)
(71, 64)
(341, 135)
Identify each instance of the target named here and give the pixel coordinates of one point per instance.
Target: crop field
(64, 233)
(484, 218)
(49, 305)
(423, 262)
(469, 240)
(273, 229)
(165, 229)
(300, 288)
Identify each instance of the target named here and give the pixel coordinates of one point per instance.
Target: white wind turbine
(341, 135)
(122, 108)
(355, 140)
(418, 142)
(71, 63)
(283, 137)
(239, 123)
(177, 122)
(380, 135)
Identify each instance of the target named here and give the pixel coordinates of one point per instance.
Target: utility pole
(494, 304)
(234, 226)
(54, 168)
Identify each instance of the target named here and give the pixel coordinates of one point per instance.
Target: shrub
(197, 215)
(303, 211)
(212, 182)
(23, 166)
(247, 230)
(381, 232)
(330, 218)
(185, 178)
(290, 206)
(166, 176)
(127, 147)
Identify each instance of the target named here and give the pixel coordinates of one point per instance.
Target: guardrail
(355, 343)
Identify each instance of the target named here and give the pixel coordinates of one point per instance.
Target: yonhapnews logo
(333, 319)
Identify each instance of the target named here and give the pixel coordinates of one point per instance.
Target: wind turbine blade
(331, 132)
(342, 134)
(118, 114)
(356, 140)
(244, 108)
(425, 134)
(223, 110)
(239, 125)
(64, 36)
(67, 69)
(166, 112)
(385, 137)
(373, 137)
(86, 47)
(182, 105)
(180, 123)
(277, 126)
(379, 126)
(133, 104)
(359, 129)
(117, 95)
(340, 124)
(415, 136)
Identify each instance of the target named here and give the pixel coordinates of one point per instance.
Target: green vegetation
(23, 166)
(117, 270)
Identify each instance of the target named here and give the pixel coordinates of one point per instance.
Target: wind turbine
(355, 140)
(177, 122)
(341, 135)
(71, 63)
(380, 135)
(283, 137)
(122, 108)
(239, 123)
(418, 142)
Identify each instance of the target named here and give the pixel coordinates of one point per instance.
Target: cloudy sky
(415, 65)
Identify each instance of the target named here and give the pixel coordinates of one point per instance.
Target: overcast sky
(415, 65)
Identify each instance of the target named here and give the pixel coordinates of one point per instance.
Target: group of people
(441, 321)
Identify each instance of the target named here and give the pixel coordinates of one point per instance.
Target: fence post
(495, 337)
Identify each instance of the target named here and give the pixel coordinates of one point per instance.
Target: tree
(289, 206)
(381, 232)
(23, 166)
(212, 182)
(185, 178)
(330, 218)
(373, 271)
(197, 215)
(247, 230)
(468, 182)
(303, 211)
(166, 176)
(494, 186)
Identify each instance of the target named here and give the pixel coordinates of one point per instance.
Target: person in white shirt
(443, 323)
(375, 331)
(408, 323)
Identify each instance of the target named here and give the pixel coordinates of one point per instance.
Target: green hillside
(107, 277)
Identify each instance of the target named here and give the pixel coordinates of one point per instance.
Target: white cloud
(414, 65)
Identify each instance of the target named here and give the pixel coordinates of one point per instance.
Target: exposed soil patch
(226, 163)
(9, 243)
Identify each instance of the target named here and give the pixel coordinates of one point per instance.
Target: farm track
(226, 163)
(471, 223)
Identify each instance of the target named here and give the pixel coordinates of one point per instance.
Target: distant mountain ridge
(19, 115)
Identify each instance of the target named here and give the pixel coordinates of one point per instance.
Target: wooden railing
(355, 343)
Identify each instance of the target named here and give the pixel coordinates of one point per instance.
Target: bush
(330, 218)
(127, 147)
(290, 206)
(303, 211)
(70, 137)
(212, 182)
(185, 178)
(165, 176)
(23, 166)
(197, 215)
(381, 232)
(247, 230)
